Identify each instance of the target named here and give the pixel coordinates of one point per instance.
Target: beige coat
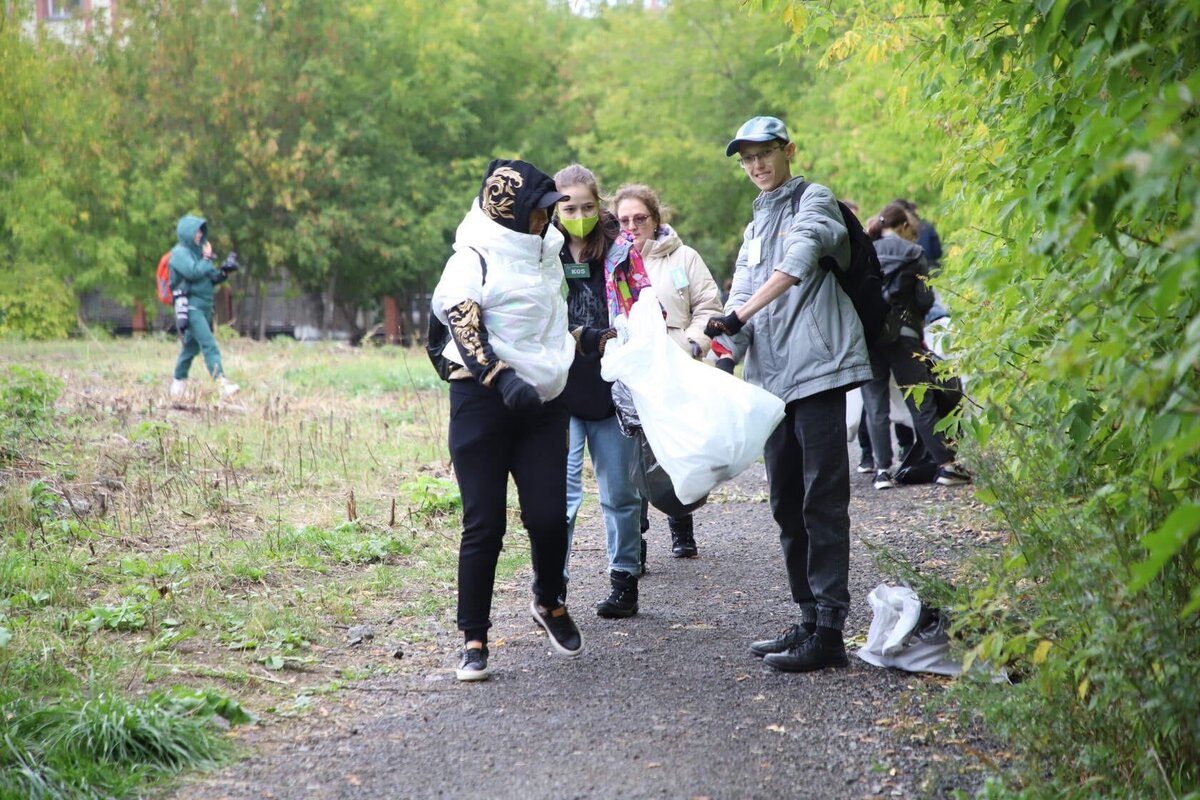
(684, 286)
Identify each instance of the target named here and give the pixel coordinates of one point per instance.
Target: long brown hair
(893, 216)
(595, 244)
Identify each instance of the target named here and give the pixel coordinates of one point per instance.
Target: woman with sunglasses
(685, 289)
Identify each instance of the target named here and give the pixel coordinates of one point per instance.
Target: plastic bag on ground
(703, 426)
(905, 635)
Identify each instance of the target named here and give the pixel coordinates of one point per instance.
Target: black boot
(623, 600)
(683, 542)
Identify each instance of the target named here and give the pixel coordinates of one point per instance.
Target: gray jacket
(809, 339)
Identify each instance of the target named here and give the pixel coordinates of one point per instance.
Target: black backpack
(863, 281)
(438, 335)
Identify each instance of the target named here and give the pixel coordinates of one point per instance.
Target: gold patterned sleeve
(466, 326)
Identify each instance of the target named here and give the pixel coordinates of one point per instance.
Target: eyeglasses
(750, 159)
(636, 221)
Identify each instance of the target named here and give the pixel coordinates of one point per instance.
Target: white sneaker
(178, 389)
(227, 387)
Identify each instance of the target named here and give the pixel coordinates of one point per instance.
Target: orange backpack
(164, 279)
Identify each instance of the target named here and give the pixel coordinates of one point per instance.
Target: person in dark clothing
(594, 257)
(927, 236)
(500, 295)
(905, 288)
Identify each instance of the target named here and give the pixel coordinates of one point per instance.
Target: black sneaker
(810, 655)
(953, 475)
(790, 637)
(563, 633)
(866, 465)
(473, 665)
(883, 480)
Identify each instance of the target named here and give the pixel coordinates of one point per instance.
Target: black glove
(592, 340)
(697, 350)
(725, 365)
(729, 324)
(518, 395)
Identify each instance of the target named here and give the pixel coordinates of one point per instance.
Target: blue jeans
(612, 455)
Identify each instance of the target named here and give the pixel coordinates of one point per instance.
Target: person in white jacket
(502, 296)
(686, 291)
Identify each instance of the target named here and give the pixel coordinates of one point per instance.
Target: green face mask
(580, 228)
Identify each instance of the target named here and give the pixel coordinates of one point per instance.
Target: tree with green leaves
(67, 214)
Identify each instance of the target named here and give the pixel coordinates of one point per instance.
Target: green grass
(150, 552)
(104, 744)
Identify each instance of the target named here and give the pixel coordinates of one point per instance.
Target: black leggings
(487, 443)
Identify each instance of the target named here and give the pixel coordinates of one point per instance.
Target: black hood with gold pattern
(512, 189)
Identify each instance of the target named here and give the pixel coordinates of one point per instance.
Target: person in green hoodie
(193, 276)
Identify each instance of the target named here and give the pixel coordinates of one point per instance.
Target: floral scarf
(624, 276)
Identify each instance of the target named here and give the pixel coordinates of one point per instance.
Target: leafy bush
(1069, 136)
(37, 308)
(1083, 340)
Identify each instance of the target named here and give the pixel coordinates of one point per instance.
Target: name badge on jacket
(679, 278)
(577, 271)
(754, 254)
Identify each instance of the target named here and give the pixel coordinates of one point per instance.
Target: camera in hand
(180, 301)
(231, 262)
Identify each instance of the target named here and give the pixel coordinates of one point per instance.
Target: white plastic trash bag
(905, 636)
(897, 409)
(703, 425)
(854, 409)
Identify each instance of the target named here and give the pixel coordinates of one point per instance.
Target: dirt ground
(666, 704)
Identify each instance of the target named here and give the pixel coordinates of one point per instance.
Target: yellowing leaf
(1084, 685)
(1039, 655)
